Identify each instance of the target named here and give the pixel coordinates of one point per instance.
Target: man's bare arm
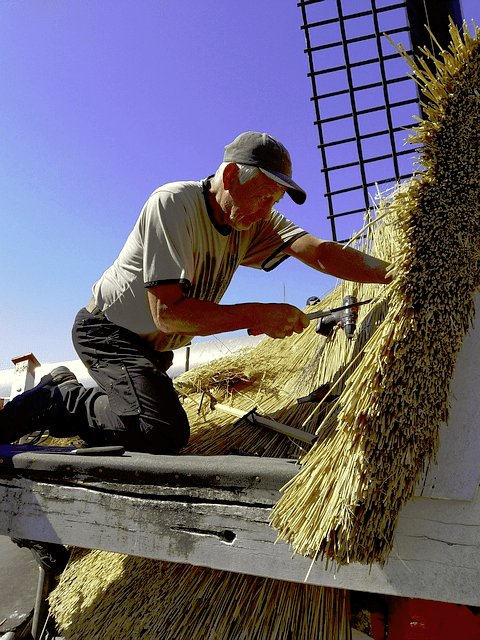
(174, 313)
(341, 262)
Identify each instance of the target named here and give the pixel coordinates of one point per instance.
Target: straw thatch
(136, 598)
(346, 499)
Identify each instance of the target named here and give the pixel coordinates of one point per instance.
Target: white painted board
(455, 475)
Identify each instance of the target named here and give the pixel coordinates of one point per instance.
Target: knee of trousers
(166, 434)
(161, 432)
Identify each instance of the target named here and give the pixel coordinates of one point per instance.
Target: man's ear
(230, 173)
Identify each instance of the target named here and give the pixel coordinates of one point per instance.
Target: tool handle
(233, 411)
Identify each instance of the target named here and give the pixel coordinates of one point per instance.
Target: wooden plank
(224, 524)
(236, 474)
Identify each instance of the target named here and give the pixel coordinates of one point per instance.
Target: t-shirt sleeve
(269, 239)
(167, 241)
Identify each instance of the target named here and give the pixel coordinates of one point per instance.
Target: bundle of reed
(345, 501)
(139, 598)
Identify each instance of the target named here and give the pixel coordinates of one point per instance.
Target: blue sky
(104, 100)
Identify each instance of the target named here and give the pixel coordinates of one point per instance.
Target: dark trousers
(135, 403)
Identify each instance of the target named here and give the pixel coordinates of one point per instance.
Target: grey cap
(269, 155)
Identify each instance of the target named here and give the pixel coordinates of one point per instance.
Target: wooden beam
(214, 511)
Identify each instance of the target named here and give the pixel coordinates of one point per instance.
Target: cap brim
(296, 193)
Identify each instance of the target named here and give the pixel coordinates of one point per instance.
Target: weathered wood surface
(214, 511)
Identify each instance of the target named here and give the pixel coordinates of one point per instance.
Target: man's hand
(279, 321)
(173, 313)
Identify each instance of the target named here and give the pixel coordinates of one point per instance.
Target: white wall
(200, 353)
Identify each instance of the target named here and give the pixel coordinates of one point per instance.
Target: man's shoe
(37, 409)
(60, 377)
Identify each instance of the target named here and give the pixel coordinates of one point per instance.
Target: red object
(377, 621)
(415, 619)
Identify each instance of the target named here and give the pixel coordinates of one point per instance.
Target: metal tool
(344, 317)
(112, 450)
(254, 418)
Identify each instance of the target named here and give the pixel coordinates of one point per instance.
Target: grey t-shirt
(176, 240)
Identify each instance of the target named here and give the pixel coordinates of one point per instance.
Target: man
(165, 287)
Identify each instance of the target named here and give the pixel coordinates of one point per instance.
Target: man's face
(252, 201)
